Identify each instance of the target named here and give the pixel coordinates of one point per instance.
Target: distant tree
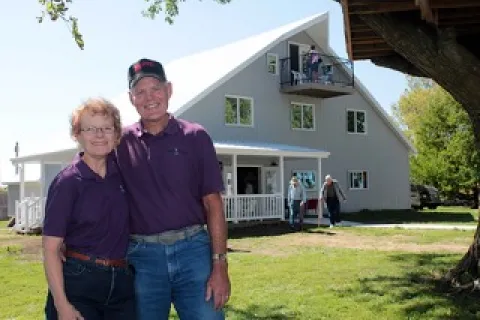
(57, 10)
(411, 104)
(443, 135)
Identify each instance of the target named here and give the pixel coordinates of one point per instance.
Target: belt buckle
(102, 262)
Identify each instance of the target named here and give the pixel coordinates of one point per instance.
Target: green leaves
(442, 133)
(57, 10)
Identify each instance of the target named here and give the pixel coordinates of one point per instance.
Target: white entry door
(228, 180)
(270, 180)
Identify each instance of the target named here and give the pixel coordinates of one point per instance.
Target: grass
(3, 224)
(340, 273)
(455, 215)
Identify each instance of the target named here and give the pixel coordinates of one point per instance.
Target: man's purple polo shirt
(89, 212)
(167, 175)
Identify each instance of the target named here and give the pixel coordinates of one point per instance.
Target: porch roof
(221, 147)
(48, 156)
(267, 149)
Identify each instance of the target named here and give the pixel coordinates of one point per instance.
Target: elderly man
(174, 182)
(296, 200)
(331, 193)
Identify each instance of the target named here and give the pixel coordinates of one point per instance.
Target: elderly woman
(85, 232)
(331, 193)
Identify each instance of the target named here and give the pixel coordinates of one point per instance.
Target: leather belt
(169, 237)
(103, 262)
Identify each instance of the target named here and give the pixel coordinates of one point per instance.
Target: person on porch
(86, 226)
(331, 193)
(296, 199)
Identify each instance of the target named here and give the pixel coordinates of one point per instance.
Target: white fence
(29, 214)
(253, 207)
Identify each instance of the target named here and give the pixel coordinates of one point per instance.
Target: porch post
(235, 192)
(22, 181)
(282, 185)
(42, 192)
(319, 182)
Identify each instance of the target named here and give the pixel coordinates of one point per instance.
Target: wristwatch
(219, 257)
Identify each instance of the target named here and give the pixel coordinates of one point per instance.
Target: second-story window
(303, 116)
(272, 63)
(239, 111)
(356, 121)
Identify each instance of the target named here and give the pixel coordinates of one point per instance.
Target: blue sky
(44, 74)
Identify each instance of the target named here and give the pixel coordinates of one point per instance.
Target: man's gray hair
(327, 177)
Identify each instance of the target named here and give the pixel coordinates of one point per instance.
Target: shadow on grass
(408, 216)
(421, 294)
(256, 312)
(271, 230)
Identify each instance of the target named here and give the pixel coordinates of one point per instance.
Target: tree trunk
(436, 54)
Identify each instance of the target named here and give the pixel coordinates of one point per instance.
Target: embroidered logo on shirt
(175, 152)
(122, 189)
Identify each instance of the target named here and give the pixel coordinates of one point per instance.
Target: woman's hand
(68, 312)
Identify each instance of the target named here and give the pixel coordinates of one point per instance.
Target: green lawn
(450, 215)
(342, 273)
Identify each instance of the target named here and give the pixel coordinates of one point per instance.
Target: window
(358, 179)
(272, 63)
(303, 116)
(239, 111)
(356, 121)
(308, 178)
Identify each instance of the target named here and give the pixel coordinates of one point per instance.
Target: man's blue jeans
(294, 211)
(175, 273)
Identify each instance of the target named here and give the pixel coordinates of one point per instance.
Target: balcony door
(298, 56)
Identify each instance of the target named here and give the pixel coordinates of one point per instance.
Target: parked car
(424, 196)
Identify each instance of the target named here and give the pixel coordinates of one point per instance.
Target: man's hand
(218, 285)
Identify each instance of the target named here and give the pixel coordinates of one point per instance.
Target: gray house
(271, 118)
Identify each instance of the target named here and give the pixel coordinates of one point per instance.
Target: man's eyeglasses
(94, 130)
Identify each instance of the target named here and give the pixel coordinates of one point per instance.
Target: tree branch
(397, 63)
(436, 55)
(57, 9)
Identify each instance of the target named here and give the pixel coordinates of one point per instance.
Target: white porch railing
(253, 207)
(29, 214)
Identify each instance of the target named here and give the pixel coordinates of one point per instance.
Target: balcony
(334, 77)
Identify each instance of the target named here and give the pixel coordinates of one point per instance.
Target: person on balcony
(86, 226)
(331, 193)
(296, 199)
(314, 63)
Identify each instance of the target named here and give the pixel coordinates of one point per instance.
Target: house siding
(380, 152)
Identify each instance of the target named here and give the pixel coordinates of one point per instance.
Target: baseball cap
(145, 68)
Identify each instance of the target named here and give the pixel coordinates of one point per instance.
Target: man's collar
(171, 128)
